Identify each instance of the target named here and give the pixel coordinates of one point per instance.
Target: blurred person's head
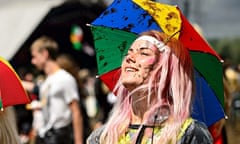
(84, 74)
(43, 49)
(67, 62)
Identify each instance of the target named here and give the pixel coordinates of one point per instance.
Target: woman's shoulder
(197, 133)
(95, 136)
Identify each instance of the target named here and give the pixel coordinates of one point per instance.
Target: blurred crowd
(232, 89)
(95, 99)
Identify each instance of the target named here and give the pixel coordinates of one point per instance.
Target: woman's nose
(131, 58)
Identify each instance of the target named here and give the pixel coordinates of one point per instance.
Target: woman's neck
(139, 107)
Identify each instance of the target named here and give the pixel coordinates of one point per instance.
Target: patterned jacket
(196, 133)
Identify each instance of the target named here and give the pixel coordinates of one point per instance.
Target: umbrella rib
(170, 37)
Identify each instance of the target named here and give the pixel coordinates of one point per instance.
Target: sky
(221, 18)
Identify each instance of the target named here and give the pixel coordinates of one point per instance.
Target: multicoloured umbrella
(11, 89)
(117, 27)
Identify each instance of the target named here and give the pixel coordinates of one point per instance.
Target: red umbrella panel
(11, 89)
(116, 28)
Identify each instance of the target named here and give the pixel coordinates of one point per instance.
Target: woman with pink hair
(155, 93)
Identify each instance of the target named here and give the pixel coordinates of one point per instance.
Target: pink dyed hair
(171, 81)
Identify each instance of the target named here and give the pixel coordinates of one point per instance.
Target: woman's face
(138, 64)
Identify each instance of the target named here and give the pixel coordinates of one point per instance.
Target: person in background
(102, 95)
(68, 63)
(24, 116)
(155, 92)
(58, 95)
(8, 127)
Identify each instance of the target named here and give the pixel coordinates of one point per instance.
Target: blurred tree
(228, 48)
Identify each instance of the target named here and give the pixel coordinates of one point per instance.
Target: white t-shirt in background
(57, 92)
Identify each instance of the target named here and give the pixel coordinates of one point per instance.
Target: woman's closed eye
(146, 51)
